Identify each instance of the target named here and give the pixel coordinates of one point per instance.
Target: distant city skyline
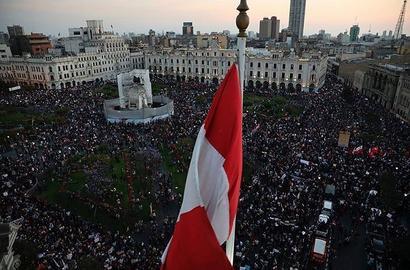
(53, 17)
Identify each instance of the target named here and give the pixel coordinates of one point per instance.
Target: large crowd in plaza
(280, 196)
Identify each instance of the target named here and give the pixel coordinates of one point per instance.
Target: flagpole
(242, 22)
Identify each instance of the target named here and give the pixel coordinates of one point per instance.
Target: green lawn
(57, 191)
(109, 91)
(12, 117)
(178, 178)
(277, 106)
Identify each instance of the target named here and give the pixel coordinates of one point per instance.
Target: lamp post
(242, 22)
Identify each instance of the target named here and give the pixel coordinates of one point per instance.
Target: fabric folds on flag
(212, 187)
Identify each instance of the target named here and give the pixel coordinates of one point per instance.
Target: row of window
(37, 69)
(274, 75)
(214, 63)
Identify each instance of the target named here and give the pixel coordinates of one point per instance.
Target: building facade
(265, 28)
(263, 68)
(104, 56)
(187, 29)
(297, 17)
(354, 33)
(15, 30)
(388, 85)
(104, 59)
(380, 84)
(402, 101)
(275, 28)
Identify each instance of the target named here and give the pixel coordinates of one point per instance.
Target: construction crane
(399, 26)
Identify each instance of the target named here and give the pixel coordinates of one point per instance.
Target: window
(291, 66)
(229, 63)
(300, 67)
(291, 76)
(259, 74)
(274, 66)
(266, 74)
(299, 76)
(314, 67)
(283, 75)
(274, 75)
(259, 65)
(251, 64)
(266, 65)
(251, 73)
(284, 66)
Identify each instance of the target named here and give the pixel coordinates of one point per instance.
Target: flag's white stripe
(207, 185)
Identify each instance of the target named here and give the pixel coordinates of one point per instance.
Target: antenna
(399, 26)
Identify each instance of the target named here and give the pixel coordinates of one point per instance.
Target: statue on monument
(134, 89)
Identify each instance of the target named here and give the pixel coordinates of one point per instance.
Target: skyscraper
(187, 29)
(15, 30)
(275, 28)
(265, 28)
(354, 33)
(297, 17)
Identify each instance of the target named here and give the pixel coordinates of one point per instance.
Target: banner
(344, 138)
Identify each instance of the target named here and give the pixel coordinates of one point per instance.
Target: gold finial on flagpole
(242, 20)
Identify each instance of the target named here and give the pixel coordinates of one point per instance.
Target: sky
(138, 16)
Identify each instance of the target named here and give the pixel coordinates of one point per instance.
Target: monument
(136, 104)
(8, 235)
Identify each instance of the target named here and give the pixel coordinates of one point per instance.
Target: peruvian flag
(211, 194)
(374, 151)
(358, 151)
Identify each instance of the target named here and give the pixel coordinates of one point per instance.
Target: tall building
(4, 38)
(275, 28)
(354, 33)
(15, 30)
(265, 28)
(297, 17)
(187, 29)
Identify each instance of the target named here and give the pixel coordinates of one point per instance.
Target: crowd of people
(288, 162)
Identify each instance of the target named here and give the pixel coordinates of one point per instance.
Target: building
(265, 28)
(213, 40)
(388, 85)
(15, 30)
(343, 38)
(187, 29)
(4, 38)
(402, 100)
(297, 17)
(275, 28)
(263, 67)
(380, 83)
(102, 59)
(354, 33)
(5, 52)
(39, 44)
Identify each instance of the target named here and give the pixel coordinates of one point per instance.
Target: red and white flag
(212, 187)
(358, 151)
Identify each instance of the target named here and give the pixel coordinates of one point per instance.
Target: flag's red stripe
(223, 127)
(194, 245)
